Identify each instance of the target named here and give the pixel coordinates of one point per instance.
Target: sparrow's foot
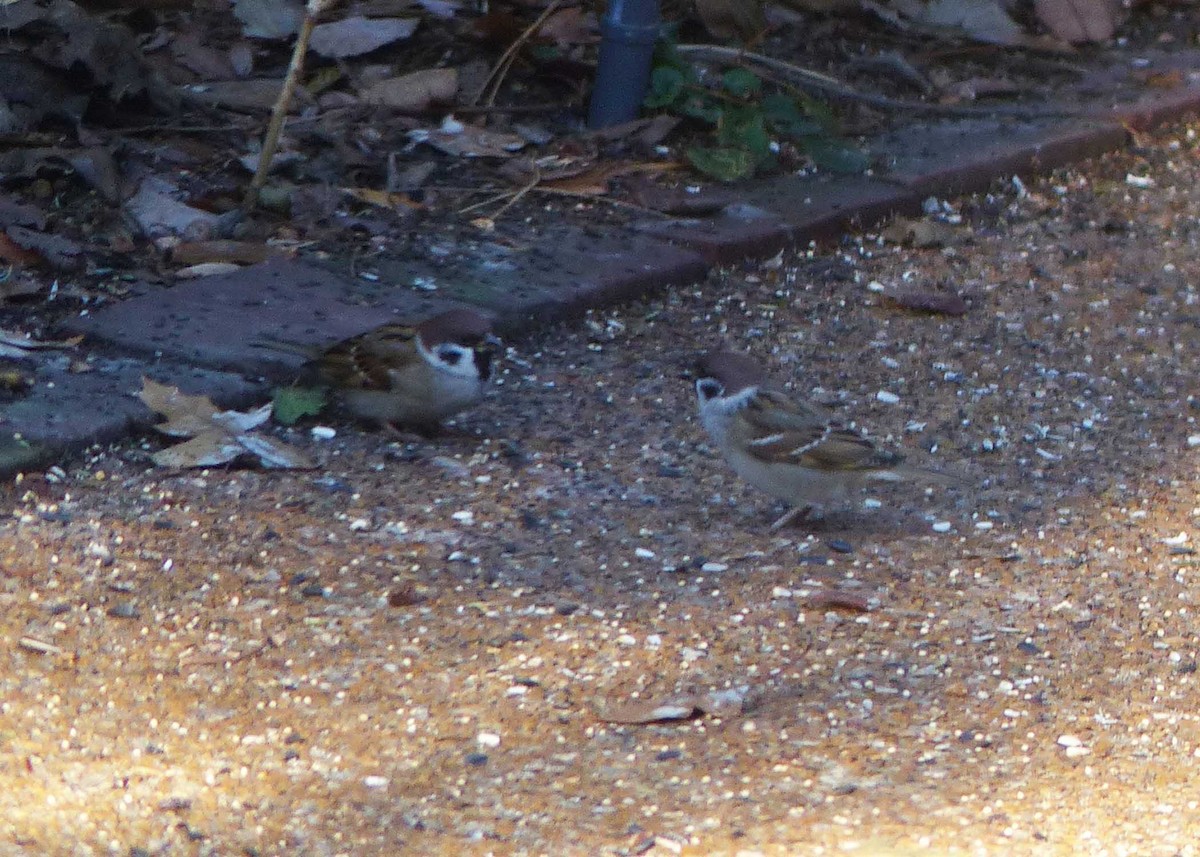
(410, 434)
(803, 514)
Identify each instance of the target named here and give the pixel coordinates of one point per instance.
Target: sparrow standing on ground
(415, 377)
(791, 449)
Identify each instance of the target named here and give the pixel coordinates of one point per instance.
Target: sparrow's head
(461, 341)
(725, 373)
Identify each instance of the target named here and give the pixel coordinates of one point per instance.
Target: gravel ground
(421, 648)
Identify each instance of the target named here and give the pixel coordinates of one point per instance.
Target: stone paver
(561, 272)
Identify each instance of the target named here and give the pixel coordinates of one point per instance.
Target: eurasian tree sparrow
(791, 449)
(411, 376)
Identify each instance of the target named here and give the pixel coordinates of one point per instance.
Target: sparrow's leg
(807, 512)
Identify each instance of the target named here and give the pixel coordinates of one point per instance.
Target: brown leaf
(938, 303)
(414, 92)
(186, 415)
(356, 35)
(57, 251)
(15, 254)
(1076, 21)
(732, 20)
(468, 141)
(382, 198)
(839, 599)
(571, 26)
(243, 252)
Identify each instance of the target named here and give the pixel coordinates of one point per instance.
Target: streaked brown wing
(784, 430)
(368, 361)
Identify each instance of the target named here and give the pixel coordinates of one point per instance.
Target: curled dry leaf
(936, 302)
(357, 35)
(839, 599)
(414, 92)
(217, 437)
(468, 141)
(1076, 21)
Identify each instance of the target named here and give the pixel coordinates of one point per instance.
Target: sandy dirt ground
(420, 648)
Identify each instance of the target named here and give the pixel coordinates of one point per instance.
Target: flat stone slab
(67, 410)
(200, 334)
(215, 322)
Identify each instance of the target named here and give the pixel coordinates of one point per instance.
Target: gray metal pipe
(628, 32)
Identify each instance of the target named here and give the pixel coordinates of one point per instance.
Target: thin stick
(496, 77)
(806, 78)
(312, 11)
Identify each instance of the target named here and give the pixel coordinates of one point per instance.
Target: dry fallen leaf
(217, 437)
(414, 92)
(468, 141)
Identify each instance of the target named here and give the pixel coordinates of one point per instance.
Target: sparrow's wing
(781, 430)
(372, 360)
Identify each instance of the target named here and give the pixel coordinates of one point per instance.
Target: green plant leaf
(666, 87)
(742, 127)
(292, 403)
(835, 156)
(702, 107)
(723, 163)
(784, 116)
(742, 83)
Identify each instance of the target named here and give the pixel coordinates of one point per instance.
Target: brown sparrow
(791, 449)
(417, 376)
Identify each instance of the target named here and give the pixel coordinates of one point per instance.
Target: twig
(805, 78)
(500, 70)
(312, 11)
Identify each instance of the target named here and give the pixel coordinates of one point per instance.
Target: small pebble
(780, 592)
(464, 516)
(887, 398)
(714, 567)
(1176, 541)
(516, 690)
(375, 782)
(668, 755)
(627, 640)
(1193, 440)
(487, 739)
(323, 433)
(124, 610)
(840, 546)
(872, 503)
(476, 760)
(983, 525)
(941, 526)
(1069, 741)
(643, 553)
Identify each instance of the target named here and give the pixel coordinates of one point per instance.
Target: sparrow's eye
(707, 389)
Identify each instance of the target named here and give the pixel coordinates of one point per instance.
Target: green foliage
(746, 119)
(293, 403)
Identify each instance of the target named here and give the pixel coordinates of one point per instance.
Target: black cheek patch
(708, 389)
(451, 356)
